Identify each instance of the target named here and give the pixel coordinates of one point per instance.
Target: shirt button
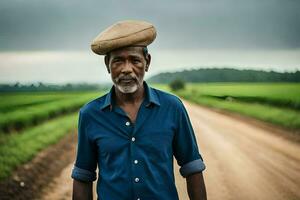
(133, 139)
(138, 199)
(136, 180)
(136, 161)
(127, 123)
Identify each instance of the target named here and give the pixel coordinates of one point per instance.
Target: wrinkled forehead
(127, 51)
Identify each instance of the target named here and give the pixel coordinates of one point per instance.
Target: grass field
(17, 114)
(30, 122)
(277, 103)
(20, 147)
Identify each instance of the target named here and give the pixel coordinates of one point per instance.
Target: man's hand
(82, 190)
(196, 187)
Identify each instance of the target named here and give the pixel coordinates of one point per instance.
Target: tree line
(34, 87)
(225, 75)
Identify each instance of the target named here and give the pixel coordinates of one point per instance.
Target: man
(132, 132)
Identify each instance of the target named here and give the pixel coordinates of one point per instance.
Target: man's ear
(148, 61)
(106, 61)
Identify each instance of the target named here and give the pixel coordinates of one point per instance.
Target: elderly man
(133, 132)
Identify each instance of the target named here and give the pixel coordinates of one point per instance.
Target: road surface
(243, 161)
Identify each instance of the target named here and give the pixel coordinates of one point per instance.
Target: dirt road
(243, 161)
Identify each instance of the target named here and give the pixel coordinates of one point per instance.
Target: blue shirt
(136, 160)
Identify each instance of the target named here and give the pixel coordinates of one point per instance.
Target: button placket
(136, 178)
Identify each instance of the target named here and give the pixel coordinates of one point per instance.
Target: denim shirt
(135, 160)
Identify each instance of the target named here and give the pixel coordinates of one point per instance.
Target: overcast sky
(41, 38)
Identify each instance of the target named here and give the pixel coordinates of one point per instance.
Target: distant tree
(177, 84)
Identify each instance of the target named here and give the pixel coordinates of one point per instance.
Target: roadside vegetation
(30, 122)
(19, 147)
(277, 103)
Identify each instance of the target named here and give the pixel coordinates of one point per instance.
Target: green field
(22, 146)
(20, 111)
(277, 103)
(30, 122)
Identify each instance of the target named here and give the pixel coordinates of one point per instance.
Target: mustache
(125, 77)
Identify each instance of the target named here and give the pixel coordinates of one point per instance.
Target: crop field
(17, 114)
(29, 122)
(277, 103)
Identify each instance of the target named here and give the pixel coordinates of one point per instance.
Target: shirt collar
(151, 97)
(108, 99)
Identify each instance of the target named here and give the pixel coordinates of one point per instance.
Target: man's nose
(127, 68)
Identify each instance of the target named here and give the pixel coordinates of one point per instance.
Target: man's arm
(82, 190)
(196, 187)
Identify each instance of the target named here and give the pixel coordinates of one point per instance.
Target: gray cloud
(204, 24)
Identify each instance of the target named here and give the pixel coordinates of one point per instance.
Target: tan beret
(122, 34)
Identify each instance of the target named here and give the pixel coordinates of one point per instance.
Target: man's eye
(116, 60)
(136, 61)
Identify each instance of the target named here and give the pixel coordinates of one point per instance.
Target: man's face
(127, 67)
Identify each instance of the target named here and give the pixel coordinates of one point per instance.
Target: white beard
(127, 89)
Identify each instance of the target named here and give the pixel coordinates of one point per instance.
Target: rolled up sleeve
(83, 175)
(192, 167)
(185, 146)
(86, 159)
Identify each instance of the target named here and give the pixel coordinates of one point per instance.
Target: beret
(122, 34)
